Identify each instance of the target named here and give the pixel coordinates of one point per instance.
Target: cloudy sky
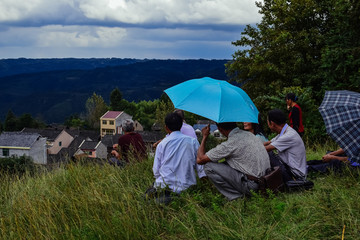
(162, 29)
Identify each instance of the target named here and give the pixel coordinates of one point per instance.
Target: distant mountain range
(53, 89)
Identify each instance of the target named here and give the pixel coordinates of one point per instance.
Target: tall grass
(91, 201)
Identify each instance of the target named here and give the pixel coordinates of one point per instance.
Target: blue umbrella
(214, 99)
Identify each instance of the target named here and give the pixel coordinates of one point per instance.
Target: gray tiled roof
(18, 139)
(50, 133)
(89, 145)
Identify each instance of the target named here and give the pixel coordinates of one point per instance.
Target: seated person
(175, 159)
(290, 146)
(129, 144)
(185, 128)
(335, 161)
(245, 159)
(256, 129)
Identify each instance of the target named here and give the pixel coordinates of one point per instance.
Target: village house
(19, 144)
(92, 149)
(56, 139)
(110, 122)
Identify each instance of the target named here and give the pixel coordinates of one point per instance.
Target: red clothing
(295, 119)
(132, 141)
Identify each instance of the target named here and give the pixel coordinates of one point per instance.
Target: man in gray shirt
(245, 157)
(290, 146)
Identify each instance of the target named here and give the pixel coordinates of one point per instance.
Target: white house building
(20, 143)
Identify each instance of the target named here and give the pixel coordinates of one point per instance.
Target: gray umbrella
(341, 113)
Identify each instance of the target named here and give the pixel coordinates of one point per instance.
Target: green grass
(89, 201)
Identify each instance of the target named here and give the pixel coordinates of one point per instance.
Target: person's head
(180, 113)
(255, 128)
(276, 119)
(128, 125)
(226, 127)
(290, 98)
(173, 122)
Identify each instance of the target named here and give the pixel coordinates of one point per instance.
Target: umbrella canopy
(341, 113)
(214, 99)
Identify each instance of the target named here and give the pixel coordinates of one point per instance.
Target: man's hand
(206, 131)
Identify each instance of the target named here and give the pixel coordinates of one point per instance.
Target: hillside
(104, 202)
(54, 95)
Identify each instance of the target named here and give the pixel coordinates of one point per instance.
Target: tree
(116, 103)
(95, 108)
(341, 56)
(287, 48)
(10, 123)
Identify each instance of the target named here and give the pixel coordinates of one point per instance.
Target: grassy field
(88, 201)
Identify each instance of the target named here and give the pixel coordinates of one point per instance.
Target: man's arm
(268, 146)
(202, 158)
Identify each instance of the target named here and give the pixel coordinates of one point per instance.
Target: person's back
(175, 162)
(175, 158)
(132, 144)
(245, 153)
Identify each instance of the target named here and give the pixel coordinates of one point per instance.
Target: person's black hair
(227, 125)
(291, 96)
(173, 121)
(277, 116)
(180, 113)
(258, 129)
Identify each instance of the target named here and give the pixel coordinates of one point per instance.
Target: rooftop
(112, 114)
(18, 139)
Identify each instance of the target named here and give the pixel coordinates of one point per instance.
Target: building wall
(119, 121)
(64, 138)
(38, 151)
(101, 151)
(15, 152)
(113, 128)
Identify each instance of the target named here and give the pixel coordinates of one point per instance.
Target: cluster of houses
(55, 145)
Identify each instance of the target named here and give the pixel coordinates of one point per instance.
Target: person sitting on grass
(174, 162)
(290, 146)
(334, 161)
(245, 160)
(131, 143)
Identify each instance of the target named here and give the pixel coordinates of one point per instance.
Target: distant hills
(53, 89)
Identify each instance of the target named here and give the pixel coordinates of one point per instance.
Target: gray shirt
(243, 151)
(291, 150)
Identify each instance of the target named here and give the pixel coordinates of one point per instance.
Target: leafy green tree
(26, 120)
(162, 110)
(10, 123)
(341, 56)
(116, 103)
(95, 108)
(299, 43)
(75, 121)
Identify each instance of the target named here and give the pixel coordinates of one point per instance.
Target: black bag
(296, 185)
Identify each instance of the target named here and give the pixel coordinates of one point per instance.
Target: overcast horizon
(152, 29)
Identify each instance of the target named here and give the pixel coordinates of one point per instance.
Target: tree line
(305, 47)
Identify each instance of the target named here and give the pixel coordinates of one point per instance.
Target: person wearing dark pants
(291, 149)
(245, 159)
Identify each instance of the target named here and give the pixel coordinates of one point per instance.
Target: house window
(111, 122)
(104, 122)
(60, 144)
(6, 152)
(90, 153)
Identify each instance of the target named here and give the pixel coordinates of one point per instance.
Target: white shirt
(291, 150)
(175, 162)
